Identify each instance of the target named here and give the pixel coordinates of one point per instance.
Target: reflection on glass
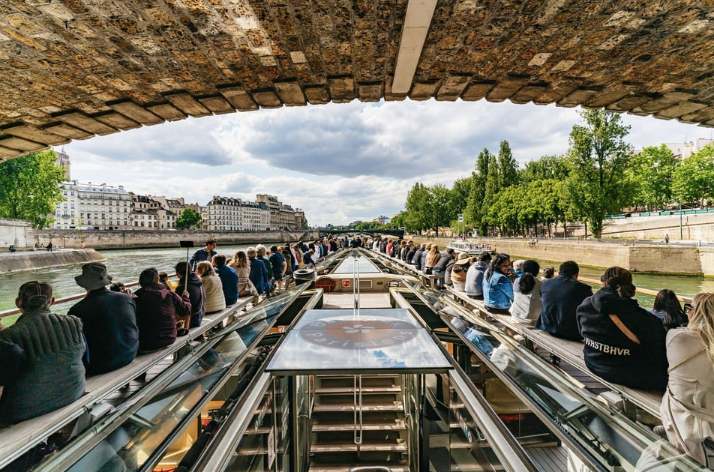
(361, 264)
(608, 436)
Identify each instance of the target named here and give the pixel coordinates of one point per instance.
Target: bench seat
(17, 439)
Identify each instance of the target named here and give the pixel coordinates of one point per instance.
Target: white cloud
(339, 163)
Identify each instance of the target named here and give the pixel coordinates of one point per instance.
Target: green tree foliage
(416, 217)
(30, 188)
(473, 214)
(188, 219)
(545, 168)
(599, 157)
(507, 166)
(652, 172)
(694, 177)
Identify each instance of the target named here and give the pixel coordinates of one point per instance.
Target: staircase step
(345, 446)
(394, 406)
(393, 467)
(350, 390)
(393, 425)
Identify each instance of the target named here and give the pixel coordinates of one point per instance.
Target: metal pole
(681, 237)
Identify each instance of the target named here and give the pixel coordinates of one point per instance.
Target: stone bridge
(73, 69)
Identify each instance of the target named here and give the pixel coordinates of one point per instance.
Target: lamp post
(681, 237)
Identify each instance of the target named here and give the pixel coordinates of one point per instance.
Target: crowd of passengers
(44, 357)
(669, 348)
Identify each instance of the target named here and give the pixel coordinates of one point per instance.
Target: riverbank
(31, 260)
(638, 257)
(100, 240)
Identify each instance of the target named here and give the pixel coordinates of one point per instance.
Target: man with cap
(50, 374)
(109, 321)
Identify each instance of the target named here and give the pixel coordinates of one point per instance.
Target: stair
(384, 432)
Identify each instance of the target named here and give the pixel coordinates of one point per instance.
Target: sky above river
(338, 162)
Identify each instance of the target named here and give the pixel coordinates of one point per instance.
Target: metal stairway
(335, 436)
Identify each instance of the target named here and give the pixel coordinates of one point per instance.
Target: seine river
(125, 266)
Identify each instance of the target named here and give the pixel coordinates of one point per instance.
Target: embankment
(640, 257)
(157, 239)
(31, 260)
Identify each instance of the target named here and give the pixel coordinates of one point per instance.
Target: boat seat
(17, 439)
(569, 351)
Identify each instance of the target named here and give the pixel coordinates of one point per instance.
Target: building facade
(233, 214)
(685, 150)
(89, 206)
(151, 213)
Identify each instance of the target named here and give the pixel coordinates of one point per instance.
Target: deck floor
(346, 300)
(550, 458)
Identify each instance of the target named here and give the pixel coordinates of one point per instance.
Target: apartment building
(91, 206)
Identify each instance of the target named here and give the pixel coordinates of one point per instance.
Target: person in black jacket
(108, 321)
(560, 297)
(440, 266)
(197, 294)
(624, 343)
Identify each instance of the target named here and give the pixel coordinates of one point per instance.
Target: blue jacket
(229, 280)
(497, 292)
(276, 262)
(109, 325)
(258, 275)
(200, 256)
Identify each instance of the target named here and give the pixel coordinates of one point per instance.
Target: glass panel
(350, 264)
(608, 436)
(374, 340)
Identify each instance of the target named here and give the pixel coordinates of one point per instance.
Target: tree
(652, 173)
(507, 166)
(599, 158)
(416, 217)
(693, 178)
(188, 219)
(30, 187)
(475, 206)
(545, 168)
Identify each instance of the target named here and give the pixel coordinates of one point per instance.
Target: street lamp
(681, 237)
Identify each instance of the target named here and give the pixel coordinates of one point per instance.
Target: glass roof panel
(348, 266)
(374, 341)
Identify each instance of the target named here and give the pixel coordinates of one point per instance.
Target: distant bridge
(393, 232)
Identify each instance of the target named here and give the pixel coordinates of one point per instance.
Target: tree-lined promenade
(599, 175)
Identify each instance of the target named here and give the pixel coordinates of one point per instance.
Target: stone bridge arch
(73, 69)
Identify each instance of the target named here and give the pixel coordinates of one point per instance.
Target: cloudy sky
(338, 162)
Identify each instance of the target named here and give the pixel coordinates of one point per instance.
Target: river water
(125, 266)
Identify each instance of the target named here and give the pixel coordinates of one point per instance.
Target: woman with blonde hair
(688, 404)
(215, 301)
(240, 264)
(432, 258)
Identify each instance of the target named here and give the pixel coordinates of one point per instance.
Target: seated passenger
(108, 321)
(215, 301)
(497, 288)
(526, 294)
(229, 279)
(560, 297)
(458, 271)
(156, 311)
(51, 374)
(197, 293)
(258, 272)
(474, 276)
(688, 403)
(624, 343)
(668, 309)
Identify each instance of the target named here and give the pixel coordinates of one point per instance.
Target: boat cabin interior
(359, 367)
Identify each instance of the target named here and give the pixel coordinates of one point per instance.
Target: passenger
(297, 254)
(416, 258)
(164, 280)
(497, 287)
(624, 343)
(119, 287)
(279, 266)
(215, 301)
(409, 247)
(474, 276)
(458, 272)
(432, 259)
(307, 258)
(411, 253)
(668, 309)
(204, 254)
(108, 321)
(258, 272)
(51, 374)
(548, 273)
(260, 255)
(560, 298)
(422, 262)
(324, 248)
(688, 402)
(157, 311)
(11, 356)
(197, 295)
(240, 264)
(448, 267)
(332, 245)
(285, 251)
(518, 267)
(229, 279)
(389, 247)
(526, 294)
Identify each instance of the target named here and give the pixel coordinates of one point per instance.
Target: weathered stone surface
(72, 69)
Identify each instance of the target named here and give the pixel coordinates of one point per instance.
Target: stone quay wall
(41, 259)
(145, 239)
(639, 257)
(695, 227)
(16, 233)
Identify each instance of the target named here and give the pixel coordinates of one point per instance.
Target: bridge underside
(73, 69)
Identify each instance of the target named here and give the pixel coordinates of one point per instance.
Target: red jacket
(155, 310)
